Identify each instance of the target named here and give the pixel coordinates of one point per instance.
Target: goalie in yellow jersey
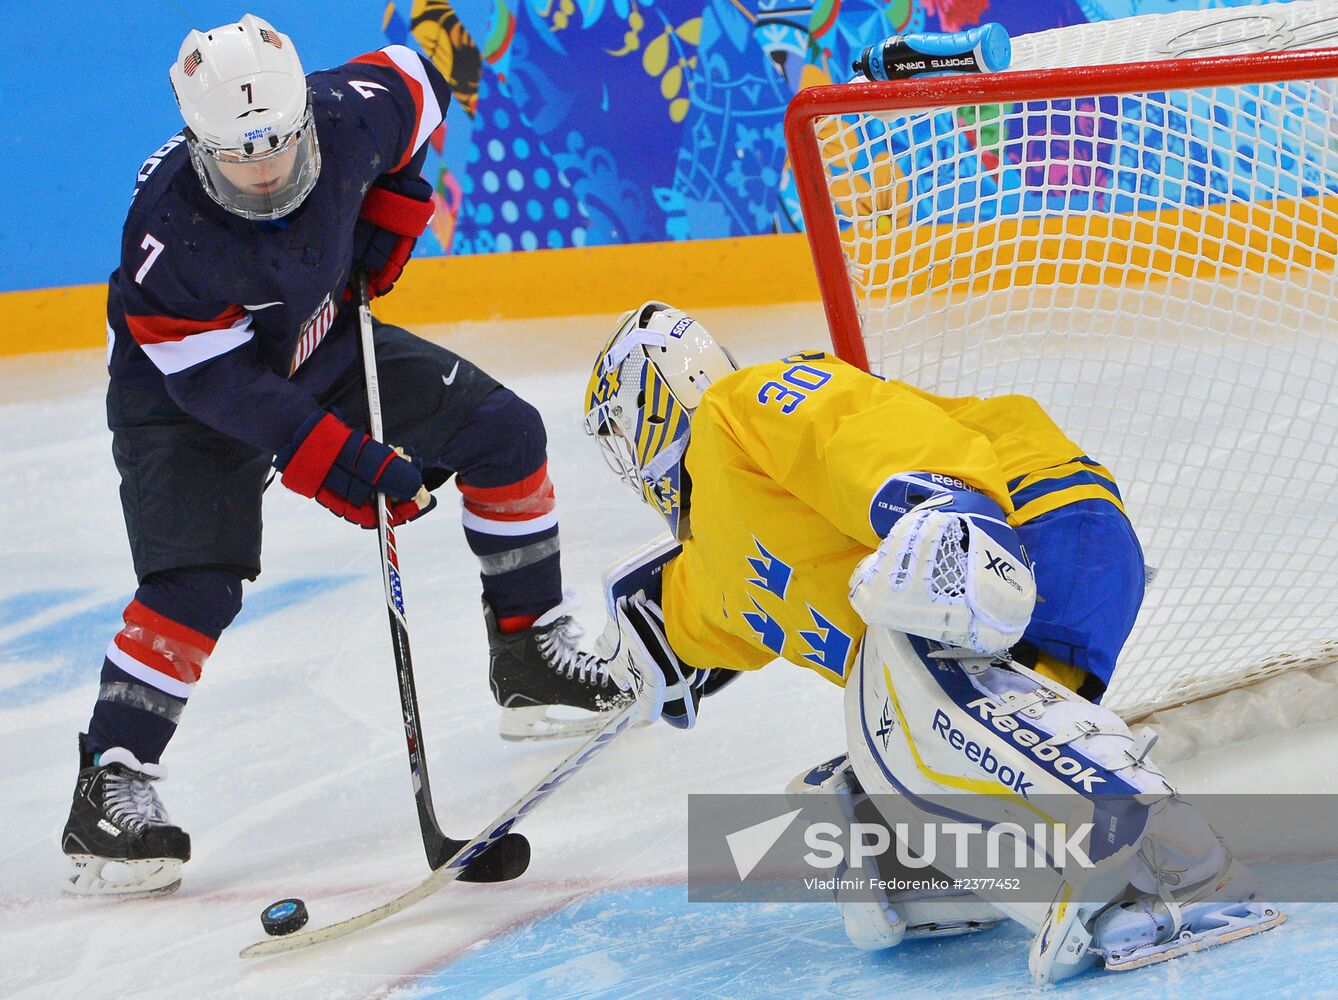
(961, 568)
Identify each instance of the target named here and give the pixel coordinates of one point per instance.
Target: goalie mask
(249, 129)
(647, 381)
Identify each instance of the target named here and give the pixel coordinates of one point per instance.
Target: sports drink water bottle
(984, 49)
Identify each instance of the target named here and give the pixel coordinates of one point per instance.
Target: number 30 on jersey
(796, 383)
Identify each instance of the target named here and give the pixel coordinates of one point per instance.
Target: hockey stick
(495, 831)
(510, 855)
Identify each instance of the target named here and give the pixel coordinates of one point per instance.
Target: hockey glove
(343, 469)
(394, 214)
(951, 569)
(664, 686)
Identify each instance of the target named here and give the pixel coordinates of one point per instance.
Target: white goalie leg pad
(635, 643)
(874, 919)
(640, 571)
(958, 578)
(644, 663)
(968, 740)
(871, 922)
(889, 730)
(1003, 745)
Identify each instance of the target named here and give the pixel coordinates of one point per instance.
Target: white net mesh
(948, 576)
(1158, 269)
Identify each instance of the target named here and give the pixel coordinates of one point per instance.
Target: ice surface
(289, 769)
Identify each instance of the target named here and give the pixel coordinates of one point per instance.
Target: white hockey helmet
(247, 108)
(647, 382)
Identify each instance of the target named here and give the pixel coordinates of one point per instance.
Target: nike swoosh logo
(261, 305)
(448, 379)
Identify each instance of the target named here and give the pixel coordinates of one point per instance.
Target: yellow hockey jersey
(785, 461)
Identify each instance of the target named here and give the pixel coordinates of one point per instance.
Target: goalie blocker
(635, 643)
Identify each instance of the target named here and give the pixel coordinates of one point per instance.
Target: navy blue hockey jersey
(244, 323)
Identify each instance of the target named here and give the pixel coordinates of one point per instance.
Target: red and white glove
(394, 214)
(343, 469)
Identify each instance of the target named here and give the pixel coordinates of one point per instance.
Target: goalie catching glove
(950, 569)
(343, 469)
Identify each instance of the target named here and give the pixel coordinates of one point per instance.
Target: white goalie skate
(1151, 927)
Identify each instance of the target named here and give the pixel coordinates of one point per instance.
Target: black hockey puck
(284, 917)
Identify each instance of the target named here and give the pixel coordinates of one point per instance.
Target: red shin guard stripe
(526, 500)
(511, 491)
(150, 620)
(161, 644)
(171, 659)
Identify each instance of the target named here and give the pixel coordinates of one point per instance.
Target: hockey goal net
(1137, 224)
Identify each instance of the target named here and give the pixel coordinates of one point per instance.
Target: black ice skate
(548, 687)
(119, 838)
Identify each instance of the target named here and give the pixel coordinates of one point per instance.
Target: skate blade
(546, 722)
(915, 932)
(1208, 939)
(111, 877)
(945, 915)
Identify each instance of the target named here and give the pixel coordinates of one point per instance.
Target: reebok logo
(982, 757)
(952, 482)
(750, 845)
(633, 671)
(1076, 771)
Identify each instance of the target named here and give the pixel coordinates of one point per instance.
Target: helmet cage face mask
(638, 419)
(642, 431)
(264, 179)
(247, 107)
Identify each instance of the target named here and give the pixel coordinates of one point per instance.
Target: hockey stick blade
(507, 858)
(493, 834)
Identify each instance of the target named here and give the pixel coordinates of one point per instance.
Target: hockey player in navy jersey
(233, 351)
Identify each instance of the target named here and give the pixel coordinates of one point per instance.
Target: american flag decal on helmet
(272, 38)
(192, 63)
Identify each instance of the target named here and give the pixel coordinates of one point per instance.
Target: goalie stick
(494, 832)
(510, 855)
